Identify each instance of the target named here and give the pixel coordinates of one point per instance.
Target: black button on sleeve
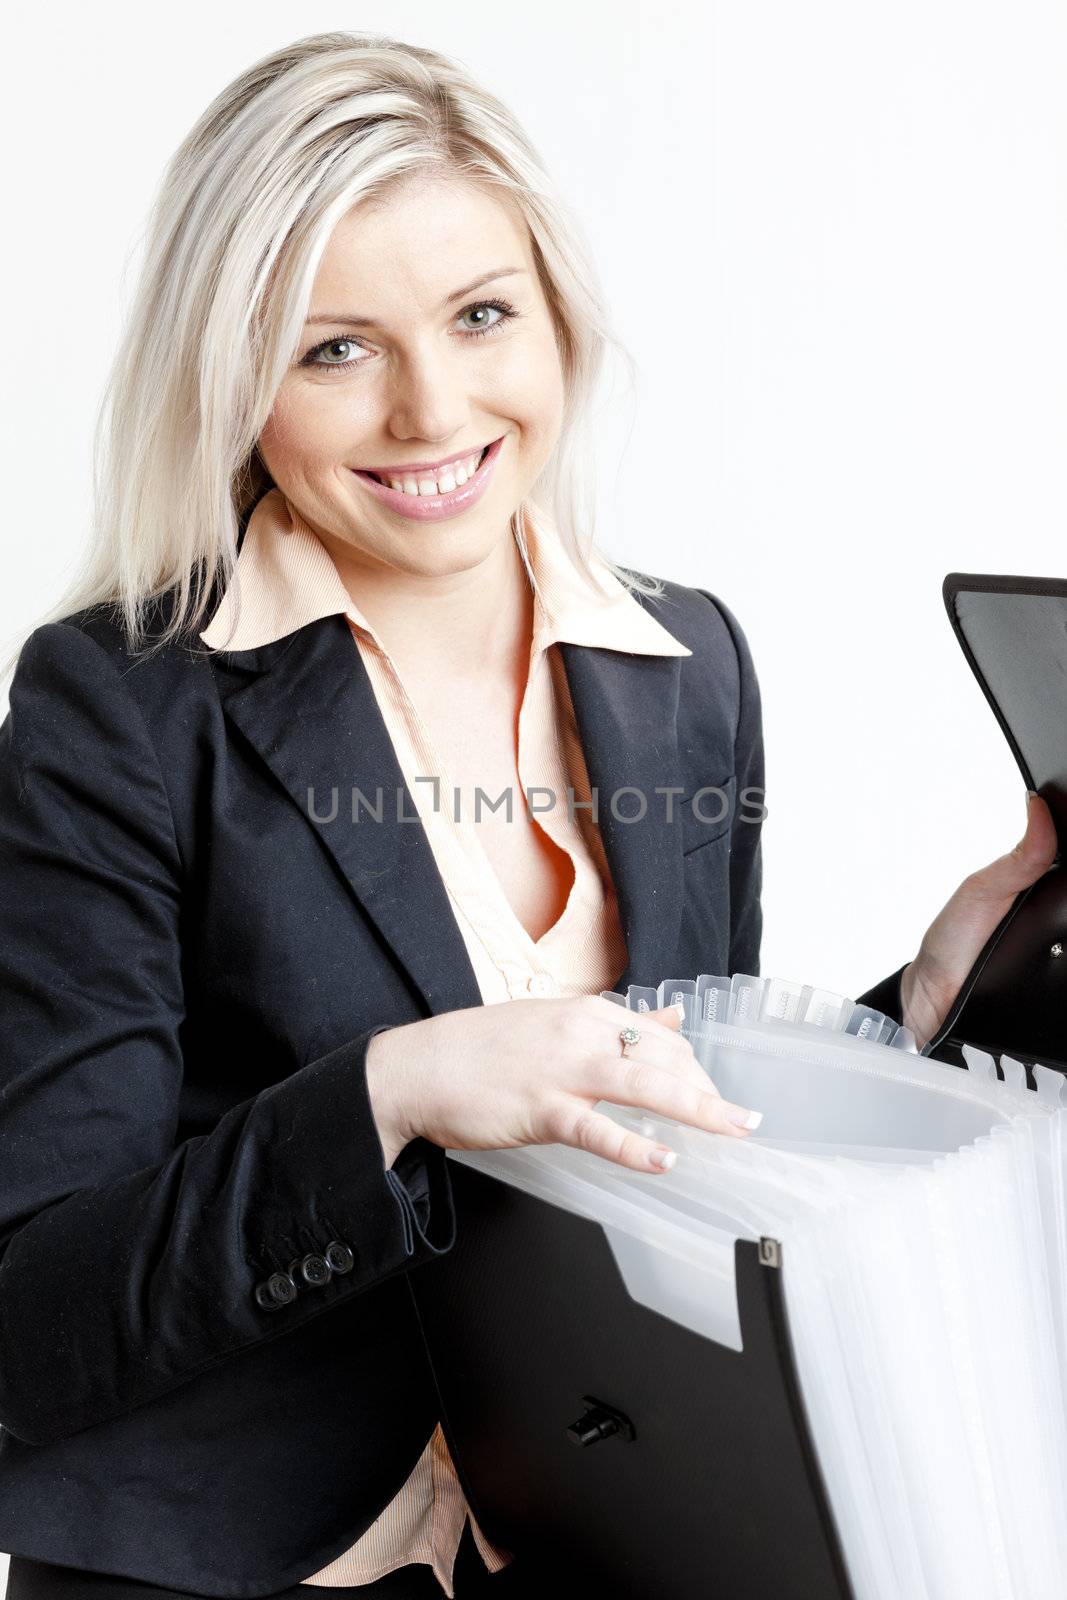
(275, 1291)
(315, 1270)
(339, 1257)
(282, 1288)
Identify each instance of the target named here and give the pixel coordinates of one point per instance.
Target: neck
(478, 621)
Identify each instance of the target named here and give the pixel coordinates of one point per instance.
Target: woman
(341, 581)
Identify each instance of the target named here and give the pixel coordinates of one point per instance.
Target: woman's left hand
(955, 938)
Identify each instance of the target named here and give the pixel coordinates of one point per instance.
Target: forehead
(419, 242)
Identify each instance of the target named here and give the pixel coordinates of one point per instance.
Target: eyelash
(506, 309)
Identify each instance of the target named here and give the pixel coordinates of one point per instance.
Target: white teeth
(450, 477)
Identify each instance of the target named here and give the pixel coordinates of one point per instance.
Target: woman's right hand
(524, 1072)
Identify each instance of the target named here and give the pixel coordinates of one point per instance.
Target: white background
(834, 236)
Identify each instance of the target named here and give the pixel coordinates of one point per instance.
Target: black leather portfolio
(1013, 632)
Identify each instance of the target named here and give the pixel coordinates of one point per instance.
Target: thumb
(955, 938)
(670, 1016)
(1026, 861)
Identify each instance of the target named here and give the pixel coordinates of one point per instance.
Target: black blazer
(192, 966)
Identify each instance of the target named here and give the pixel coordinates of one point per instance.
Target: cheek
(309, 426)
(528, 385)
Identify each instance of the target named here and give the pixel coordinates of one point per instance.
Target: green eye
(505, 311)
(337, 344)
(479, 311)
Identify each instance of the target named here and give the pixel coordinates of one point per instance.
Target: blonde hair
(242, 217)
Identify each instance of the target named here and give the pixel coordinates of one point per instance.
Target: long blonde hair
(240, 222)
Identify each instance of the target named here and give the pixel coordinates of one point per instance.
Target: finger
(1033, 855)
(663, 1045)
(671, 1017)
(683, 1063)
(1039, 844)
(577, 1124)
(959, 931)
(650, 1088)
(663, 1025)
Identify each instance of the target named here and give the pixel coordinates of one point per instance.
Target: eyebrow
(368, 322)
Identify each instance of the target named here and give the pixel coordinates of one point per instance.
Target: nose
(428, 398)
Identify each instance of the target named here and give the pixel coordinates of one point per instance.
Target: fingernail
(1029, 796)
(676, 1005)
(745, 1119)
(663, 1158)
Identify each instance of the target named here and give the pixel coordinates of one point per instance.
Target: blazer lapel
(306, 704)
(626, 708)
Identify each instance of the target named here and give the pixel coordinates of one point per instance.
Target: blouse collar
(285, 578)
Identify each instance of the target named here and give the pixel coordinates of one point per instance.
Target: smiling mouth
(442, 481)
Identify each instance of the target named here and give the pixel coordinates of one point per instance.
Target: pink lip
(411, 469)
(433, 508)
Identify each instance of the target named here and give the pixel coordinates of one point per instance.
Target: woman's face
(404, 365)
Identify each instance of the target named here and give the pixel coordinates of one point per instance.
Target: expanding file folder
(622, 1439)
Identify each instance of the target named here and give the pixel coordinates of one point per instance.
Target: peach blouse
(285, 578)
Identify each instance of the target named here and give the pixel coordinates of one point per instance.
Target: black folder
(615, 1452)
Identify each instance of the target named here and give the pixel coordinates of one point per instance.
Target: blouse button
(541, 984)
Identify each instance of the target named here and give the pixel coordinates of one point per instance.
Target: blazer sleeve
(129, 1263)
(746, 851)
